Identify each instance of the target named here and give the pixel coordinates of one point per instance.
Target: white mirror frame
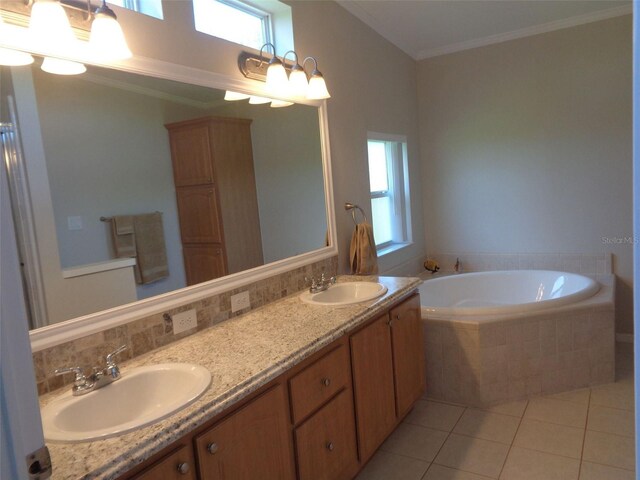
(65, 331)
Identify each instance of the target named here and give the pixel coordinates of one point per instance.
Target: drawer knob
(330, 446)
(326, 382)
(212, 448)
(183, 468)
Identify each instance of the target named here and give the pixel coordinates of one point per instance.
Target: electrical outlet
(240, 301)
(184, 321)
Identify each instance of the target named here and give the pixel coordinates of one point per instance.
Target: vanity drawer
(326, 443)
(319, 382)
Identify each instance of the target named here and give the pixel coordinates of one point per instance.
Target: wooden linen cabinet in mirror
(216, 194)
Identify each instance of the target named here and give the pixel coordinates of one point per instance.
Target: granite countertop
(242, 354)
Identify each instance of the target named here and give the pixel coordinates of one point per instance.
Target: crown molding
(526, 32)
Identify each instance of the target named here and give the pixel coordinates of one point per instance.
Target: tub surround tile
(242, 354)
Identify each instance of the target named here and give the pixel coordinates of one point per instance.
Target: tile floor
(584, 434)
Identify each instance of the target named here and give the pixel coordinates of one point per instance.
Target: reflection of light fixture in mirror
(317, 86)
(62, 67)
(232, 96)
(280, 103)
(107, 40)
(49, 27)
(254, 100)
(253, 66)
(10, 57)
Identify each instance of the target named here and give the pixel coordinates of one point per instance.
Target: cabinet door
(203, 263)
(191, 155)
(178, 465)
(373, 385)
(199, 215)
(255, 442)
(326, 443)
(408, 353)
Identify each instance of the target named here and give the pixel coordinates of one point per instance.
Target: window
(234, 21)
(153, 8)
(389, 187)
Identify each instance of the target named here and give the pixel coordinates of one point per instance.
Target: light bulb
(232, 96)
(277, 81)
(62, 67)
(280, 104)
(253, 100)
(317, 87)
(49, 27)
(107, 39)
(298, 84)
(14, 58)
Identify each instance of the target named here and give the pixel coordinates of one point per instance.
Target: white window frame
(399, 191)
(135, 6)
(248, 8)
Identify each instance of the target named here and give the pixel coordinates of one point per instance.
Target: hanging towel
(124, 242)
(151, 254)
(362, 254)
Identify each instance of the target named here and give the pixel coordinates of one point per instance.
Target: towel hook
(353, 207)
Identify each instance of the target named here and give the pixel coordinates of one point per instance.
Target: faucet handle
(110, 357)
(79, 382)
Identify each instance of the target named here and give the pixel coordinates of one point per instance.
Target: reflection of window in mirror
(389, 188)
(251, 24)
(153, 8)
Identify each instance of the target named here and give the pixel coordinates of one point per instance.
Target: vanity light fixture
(62, 67)
(280, 104)
(233, 96)
(10, 57)
(107, 39)
(256, 67)
(255, 100)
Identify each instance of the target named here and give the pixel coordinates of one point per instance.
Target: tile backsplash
(146, 334)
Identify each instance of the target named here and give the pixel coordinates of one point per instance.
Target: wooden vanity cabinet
(253, 442)
(388, 373)
(321, 420)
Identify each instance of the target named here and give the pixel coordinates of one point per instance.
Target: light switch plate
(240, 301)
(184, 321)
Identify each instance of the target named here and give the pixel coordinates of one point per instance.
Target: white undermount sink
(142, 396)
(345, 294)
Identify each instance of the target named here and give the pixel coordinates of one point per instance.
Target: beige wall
(372, 83)
(526, 147)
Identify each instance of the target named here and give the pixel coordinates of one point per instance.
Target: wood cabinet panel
(254, 442)
(203, 263)
(372, 367)
(408, 354)
(199, 215)
(319, 382)
(326, 443)
(191, 145)
(179, 465)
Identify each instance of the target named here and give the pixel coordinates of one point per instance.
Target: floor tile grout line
(513, 439)
(464, 409)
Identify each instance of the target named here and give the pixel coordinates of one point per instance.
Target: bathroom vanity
(298, 391)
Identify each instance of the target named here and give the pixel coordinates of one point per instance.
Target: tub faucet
(98, 379)
(458, 266)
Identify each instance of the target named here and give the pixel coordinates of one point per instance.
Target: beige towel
(363, 254)
(151, 254)
(124, 242)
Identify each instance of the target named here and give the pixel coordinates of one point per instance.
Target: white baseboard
(624, 337)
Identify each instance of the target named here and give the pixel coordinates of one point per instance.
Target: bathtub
(503, 292)
(494, 337)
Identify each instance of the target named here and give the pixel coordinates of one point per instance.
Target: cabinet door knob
(326, 382)
(183, 468)
(212, 448)
(330, 446)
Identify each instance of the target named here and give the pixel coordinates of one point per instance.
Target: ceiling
(427, 28)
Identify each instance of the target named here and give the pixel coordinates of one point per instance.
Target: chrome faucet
(321, 284)
(98, 379)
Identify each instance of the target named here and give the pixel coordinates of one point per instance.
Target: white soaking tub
(503, 292)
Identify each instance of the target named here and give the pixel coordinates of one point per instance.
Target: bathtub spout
(458, 266)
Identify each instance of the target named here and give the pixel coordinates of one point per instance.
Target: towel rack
(108, 219)
(353, 207)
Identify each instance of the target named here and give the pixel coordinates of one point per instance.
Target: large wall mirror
(113, 164)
